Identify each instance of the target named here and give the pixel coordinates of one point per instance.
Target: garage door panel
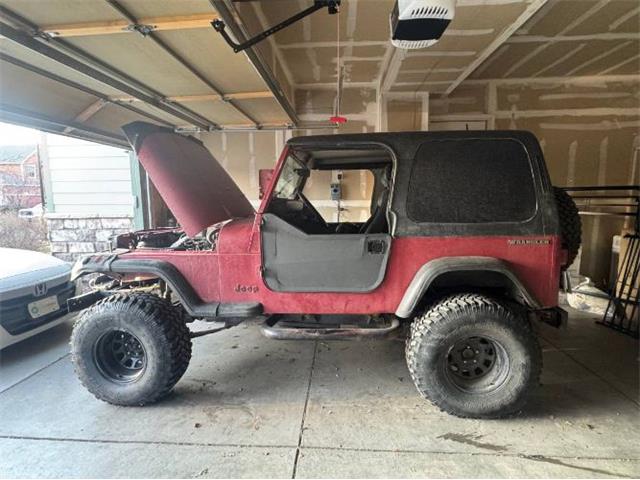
(39, 94)
(264, 110)
(112, 118)
(166, 9)
(50, 12)
(143, 60)
(210, 55)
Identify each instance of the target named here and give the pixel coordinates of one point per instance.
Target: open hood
(197, 190)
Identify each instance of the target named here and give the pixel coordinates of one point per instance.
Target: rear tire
(570, 224)
(473, 357)
(130, 349)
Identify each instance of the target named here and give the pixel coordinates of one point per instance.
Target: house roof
(14, 154)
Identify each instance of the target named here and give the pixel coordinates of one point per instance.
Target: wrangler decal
(529, 241)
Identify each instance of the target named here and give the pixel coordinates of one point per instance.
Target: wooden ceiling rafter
(153, 24)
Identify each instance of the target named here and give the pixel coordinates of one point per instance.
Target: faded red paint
(232, 274)
(195, 187)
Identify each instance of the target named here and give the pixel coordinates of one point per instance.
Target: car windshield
(291, 177)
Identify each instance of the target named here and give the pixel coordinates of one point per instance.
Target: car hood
(197, 190)
(21, 268)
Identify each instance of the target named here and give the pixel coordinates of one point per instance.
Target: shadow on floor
(23, 359)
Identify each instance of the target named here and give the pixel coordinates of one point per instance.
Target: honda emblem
(40, 289)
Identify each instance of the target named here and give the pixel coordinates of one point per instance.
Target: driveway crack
(304, 411)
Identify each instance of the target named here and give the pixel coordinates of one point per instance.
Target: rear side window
(471, 181)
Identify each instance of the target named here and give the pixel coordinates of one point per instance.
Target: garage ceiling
(161, 60)
(487, 39)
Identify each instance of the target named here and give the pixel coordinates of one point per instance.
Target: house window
(30, 171)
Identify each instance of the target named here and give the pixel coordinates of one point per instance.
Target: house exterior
(91, 192)
(20, 185)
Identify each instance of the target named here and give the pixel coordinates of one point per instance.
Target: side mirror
(265, 176)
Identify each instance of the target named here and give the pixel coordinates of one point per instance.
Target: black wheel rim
(477, 364)
(120, 356)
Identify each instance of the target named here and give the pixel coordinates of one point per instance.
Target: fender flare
(166, 271)
(430, 271)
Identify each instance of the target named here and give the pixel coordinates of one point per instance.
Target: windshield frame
(300, 179)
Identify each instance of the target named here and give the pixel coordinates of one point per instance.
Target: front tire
(473, 357)
(130, 349)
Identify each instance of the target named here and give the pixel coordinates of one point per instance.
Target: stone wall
(73, 235)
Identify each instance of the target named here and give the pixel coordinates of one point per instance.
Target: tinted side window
(471, 181)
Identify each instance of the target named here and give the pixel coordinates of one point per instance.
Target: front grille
(15, 318)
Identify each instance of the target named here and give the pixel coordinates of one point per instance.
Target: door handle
(376, 247)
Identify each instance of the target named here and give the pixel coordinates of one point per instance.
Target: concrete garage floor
(251, 407)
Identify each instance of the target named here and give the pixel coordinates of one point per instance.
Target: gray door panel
(296, 262)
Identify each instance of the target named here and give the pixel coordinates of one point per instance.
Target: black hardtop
(463, 215)
(405, 144)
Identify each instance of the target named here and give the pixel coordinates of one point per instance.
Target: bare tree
(16, 192)
(29, 234)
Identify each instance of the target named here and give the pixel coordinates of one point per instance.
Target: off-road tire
(570, 224)
(454, 319)
(155, 324)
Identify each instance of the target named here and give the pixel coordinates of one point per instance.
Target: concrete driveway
(251, 407)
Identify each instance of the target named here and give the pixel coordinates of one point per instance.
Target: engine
(166, 239)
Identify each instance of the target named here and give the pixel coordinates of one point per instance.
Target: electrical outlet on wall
(336, 192)
(336, 185)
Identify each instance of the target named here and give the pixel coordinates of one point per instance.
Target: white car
(34, 288)
(32, 212)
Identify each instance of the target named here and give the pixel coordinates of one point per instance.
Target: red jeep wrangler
(464, 244)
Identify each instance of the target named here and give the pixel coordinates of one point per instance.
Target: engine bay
(166, 239)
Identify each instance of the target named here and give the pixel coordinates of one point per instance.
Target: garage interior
(566, 70)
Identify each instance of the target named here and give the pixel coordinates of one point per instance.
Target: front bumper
(85, 300)
(14, 313)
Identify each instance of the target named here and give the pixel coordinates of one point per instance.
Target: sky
(14, 135)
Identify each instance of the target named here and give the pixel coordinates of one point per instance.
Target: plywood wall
(243, 154)
(357, 104)
(589, 136)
